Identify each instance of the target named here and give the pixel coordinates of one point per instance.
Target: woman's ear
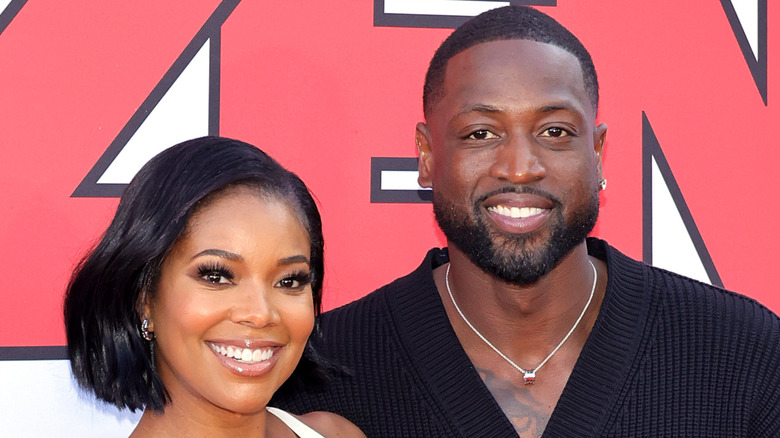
(143, 305)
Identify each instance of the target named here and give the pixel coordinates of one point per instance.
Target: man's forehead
(515, 69)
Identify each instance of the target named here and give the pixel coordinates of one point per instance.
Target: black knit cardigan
(667, 357)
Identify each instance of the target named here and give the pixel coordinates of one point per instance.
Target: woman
(197, 302)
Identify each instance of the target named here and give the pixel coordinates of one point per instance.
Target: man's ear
(599, 138)
(422, 137)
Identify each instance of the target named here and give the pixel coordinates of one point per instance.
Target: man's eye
(481, 134)
(555, 132)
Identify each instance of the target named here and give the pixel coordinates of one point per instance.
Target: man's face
(513, 157)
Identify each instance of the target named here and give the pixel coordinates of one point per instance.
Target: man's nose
(517, 160)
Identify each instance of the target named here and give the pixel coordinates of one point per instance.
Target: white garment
(299, 427)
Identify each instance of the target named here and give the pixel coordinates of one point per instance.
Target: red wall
(323, 90)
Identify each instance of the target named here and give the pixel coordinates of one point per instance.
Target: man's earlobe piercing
(603, 184)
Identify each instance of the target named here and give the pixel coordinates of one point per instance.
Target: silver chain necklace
(529, 376)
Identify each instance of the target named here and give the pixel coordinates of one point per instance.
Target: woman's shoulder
(331, 425)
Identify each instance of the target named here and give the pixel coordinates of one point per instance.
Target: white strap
(299, 427)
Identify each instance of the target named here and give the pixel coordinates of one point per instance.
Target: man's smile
(516, 212)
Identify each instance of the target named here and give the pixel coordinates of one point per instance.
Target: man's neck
(526, 323)
(501, 309)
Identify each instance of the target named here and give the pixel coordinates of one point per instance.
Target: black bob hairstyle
(107, 354)
(506, 23)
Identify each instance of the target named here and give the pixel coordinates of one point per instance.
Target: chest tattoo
(528, 415)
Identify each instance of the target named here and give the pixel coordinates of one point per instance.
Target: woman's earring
(603, 184)
(148, 335)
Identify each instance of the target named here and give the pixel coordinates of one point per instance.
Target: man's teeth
(244, 354)
(516, 212)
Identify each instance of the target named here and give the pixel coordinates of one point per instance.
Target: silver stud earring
(145, 333)
(603, 184)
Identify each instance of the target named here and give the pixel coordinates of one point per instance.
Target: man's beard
(518, 259)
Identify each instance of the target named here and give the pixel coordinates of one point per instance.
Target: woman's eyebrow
(219, 253)
(294, 259)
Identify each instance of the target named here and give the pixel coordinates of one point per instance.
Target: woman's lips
(246, 361)
(246, 355)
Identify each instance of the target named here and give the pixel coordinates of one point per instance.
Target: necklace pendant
(529, 377)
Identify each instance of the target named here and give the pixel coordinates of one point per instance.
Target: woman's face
(233, 308)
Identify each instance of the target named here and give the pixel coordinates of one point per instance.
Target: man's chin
(522, 260)
(521, 270)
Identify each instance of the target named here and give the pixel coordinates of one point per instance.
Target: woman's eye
(481, 134)
(216, 278)
(555, 132)
(215, 274)
(290, 283)
(297, 281)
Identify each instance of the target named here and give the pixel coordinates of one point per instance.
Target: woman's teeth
(246, 355)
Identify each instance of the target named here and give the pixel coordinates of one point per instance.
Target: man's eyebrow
(484, 108)
(293, 259)
(561, 106)
(479, 108)
(491, 109)
(219, 253)
(553, 108)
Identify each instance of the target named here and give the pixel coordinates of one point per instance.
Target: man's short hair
(506, 23)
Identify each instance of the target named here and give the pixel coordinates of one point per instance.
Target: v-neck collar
(606, 358)
(449, 377)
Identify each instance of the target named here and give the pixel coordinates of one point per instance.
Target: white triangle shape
(4, 4)
(466, 8)
(181, 114)
(747, 12)
(673, 248)
(70, 411)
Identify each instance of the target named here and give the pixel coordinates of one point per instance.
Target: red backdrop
(324, 89)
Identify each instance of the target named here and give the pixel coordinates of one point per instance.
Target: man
(523, 326)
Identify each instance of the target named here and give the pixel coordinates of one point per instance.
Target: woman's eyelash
(302, 278)
(215, 270)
